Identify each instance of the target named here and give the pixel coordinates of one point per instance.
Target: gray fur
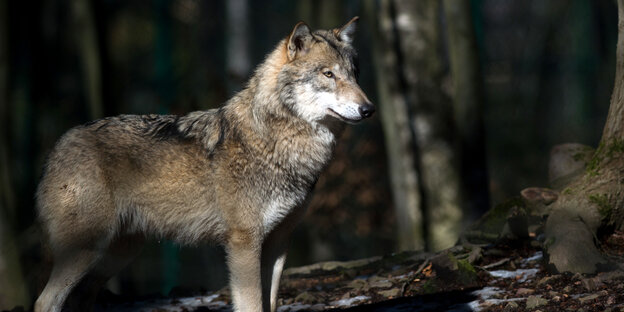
(238, 176)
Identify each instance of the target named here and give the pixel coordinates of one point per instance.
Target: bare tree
(468, 103)
(86, 37)
(418, 123)
(12, 285)
(238, 63)
(399, 137)
(595, 199)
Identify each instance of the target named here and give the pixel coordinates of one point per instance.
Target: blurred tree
(594, 201)
(417, 115)
(12, 284)
(86, 37)
(328, 14)
(163, 79)
(238, 60)
(468, 107)
(322, 14)
(400, 140)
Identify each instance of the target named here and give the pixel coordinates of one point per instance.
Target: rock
(548, 279)
(444, 263)
(539, 195)
(493, 223)
(566, 162)
(553, 293)
(390, 293)
(533, 302)
(378, 282)
(306, 297)
(449, 269)
(511, 306)
(524, 291)
(591, 283)
(587, 298)
(358, 284)
(331, 266)
(519, 224)
(606, 277)
(474, 255)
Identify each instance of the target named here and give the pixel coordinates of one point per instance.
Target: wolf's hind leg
(119, 253)
(69, 269)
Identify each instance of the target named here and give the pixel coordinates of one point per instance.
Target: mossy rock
(489, 227)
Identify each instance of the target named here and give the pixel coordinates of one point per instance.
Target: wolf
(238, 175)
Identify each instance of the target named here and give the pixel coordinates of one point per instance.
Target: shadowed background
(542, 70)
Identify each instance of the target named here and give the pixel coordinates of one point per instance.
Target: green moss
(583, 153)
(494, 220)
(467, 273)
(602, 201)
(567, 191)
(605, 151)
(429, 287)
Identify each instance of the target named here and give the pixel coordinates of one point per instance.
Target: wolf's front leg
(243, 256)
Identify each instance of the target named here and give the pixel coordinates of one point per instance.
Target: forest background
(442, 150)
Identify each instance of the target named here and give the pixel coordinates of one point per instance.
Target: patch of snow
(349, 301)
(524, 274)
(485, 298)
(477, 306)
(294, 307)
(576, 296)
(487, 292)
(537, 256)
(170, 305)
(402, 276)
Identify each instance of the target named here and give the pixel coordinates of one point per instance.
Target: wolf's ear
(299, 41)
(346, 32)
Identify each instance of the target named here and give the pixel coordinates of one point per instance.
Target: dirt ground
(504, 276)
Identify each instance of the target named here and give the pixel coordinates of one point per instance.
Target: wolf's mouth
(343, 118)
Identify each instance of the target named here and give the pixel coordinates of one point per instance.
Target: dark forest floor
(505, 276)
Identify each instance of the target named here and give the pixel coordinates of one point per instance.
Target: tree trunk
(86, 36)
(417, 118)
(12, 285)
(468, 107)
(595, 200)
(238, 62)
(418, 26)
(399, 137)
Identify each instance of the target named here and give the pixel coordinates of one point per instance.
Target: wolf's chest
(279, 207)
(291, 185)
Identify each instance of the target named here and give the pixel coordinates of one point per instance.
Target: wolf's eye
(328, 74)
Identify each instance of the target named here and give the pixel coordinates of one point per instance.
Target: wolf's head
(319, 79)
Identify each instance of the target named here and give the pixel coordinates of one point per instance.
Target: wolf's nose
(366, 110)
